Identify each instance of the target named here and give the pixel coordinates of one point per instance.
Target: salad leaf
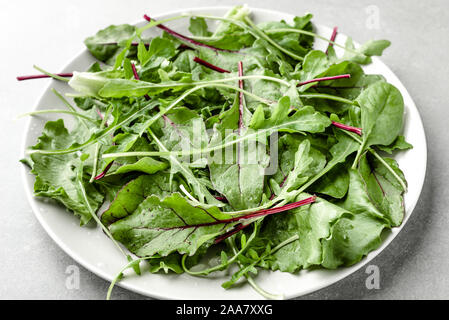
(383, 189)
(167, 225)
(313, 224)
(240, 179)
(135, 192)
(398, 144)
(304, 119)
(57, 176)
(382, 109)
(105, 44)
(362, 55)
(198, 27)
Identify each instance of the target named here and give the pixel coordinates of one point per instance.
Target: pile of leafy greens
(154, 116)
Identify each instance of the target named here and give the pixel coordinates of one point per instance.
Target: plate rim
(105, 276)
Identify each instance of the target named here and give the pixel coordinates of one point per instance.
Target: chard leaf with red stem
(165, 225)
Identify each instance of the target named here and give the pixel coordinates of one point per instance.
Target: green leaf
(305, 119)
(142, 53)
(198, 27)
(135, 192)
(160, 49)
(352, 238)
(339, 152)
(105, 44)
(238, 173)
(382, 113)
(193, 135)
(237, 13)
(147, 165)
(240, 179)
(398, 144)
(384, 189)
(315, 64)
(166, 225)
(57, 175)
(312, 223)
(307, 162)
(335, 183)
(362, 55)
(374, 47)
(172, 262)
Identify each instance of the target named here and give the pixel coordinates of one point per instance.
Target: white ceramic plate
(92, 249)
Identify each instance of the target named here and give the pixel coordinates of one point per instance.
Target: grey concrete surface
(49, 33)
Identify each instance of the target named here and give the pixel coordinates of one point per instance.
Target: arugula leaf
(198, 27)
(160, 50)
(172, 262)
(297, 43)
(57, 175)
(307, 163)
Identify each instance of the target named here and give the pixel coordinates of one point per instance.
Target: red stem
(103, 173)
(136, 76)
(347, 128)
(40, 76)
(259, 213)
(240, 226)
(231, 232)
(210, 65)
(343, 76)
(333, 36)
(185, 38)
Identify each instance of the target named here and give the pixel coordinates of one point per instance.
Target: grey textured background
(50, 33)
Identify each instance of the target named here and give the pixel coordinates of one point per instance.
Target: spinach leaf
(362, 55)
(398, 144)
(305, 119)
(382, 109)
(105, 44)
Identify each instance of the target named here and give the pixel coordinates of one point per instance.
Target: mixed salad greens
(239, 148)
